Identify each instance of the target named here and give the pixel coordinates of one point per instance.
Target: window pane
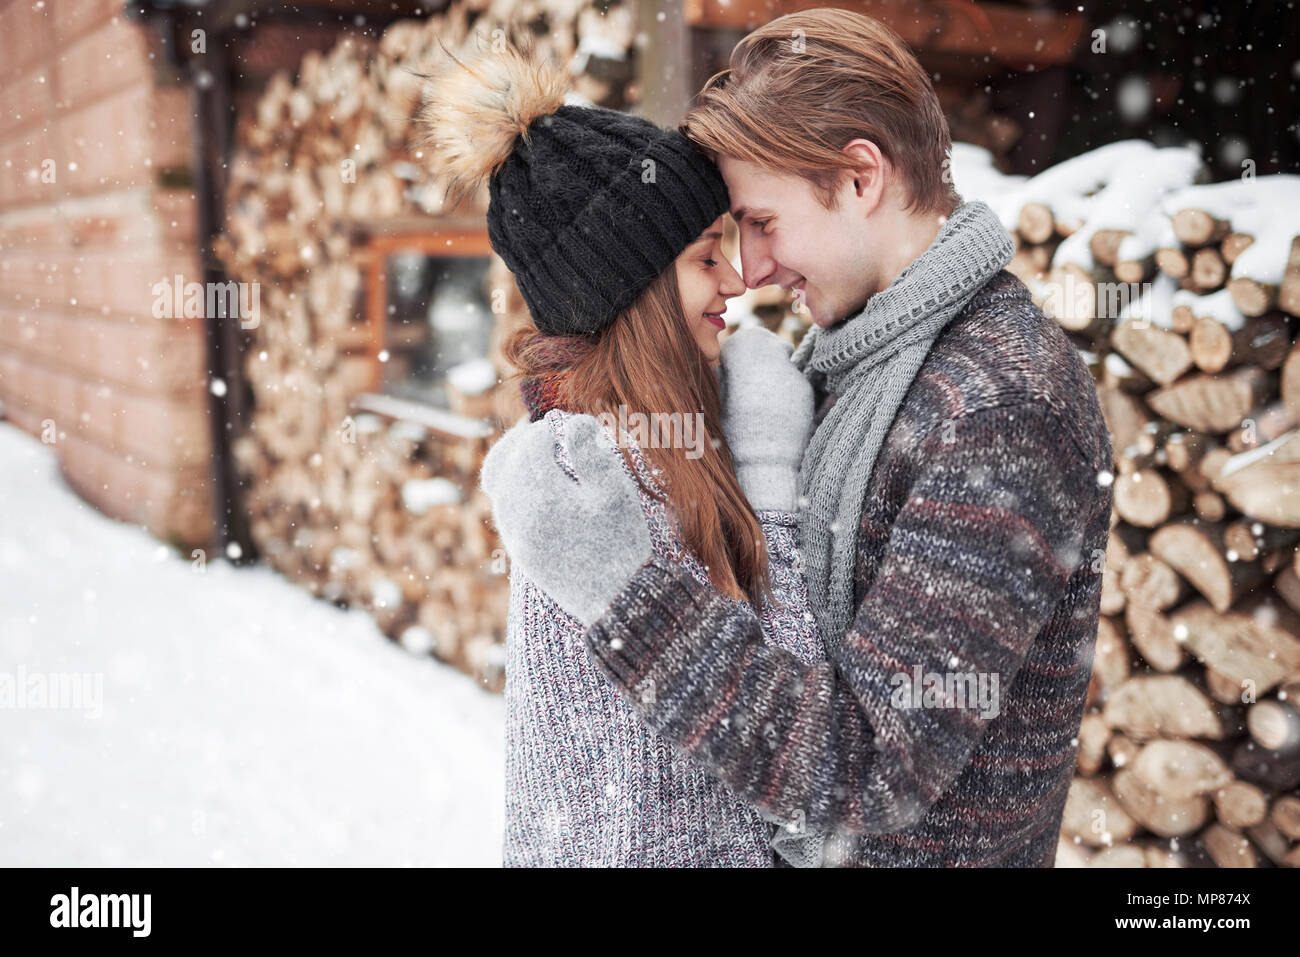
(439, 316)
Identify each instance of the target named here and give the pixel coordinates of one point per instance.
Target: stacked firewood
(1189, 751)
(367, 502)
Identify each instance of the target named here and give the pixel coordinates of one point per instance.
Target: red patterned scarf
(554, 357)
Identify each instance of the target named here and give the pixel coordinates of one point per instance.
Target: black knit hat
(594, 205)
(587, 205)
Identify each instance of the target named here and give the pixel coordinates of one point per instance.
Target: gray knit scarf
(868, 362)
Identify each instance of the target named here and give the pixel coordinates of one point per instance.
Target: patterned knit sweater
(979, 558)
(587, 782)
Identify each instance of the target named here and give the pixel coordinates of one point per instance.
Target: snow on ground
(241, 722)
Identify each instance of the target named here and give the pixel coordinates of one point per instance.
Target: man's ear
(864, 152)
(868, 169)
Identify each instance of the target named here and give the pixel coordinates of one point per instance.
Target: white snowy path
(244, 723)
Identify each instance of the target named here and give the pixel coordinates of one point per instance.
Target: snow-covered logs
(1183, 298)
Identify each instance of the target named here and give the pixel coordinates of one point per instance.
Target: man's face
(788, 238)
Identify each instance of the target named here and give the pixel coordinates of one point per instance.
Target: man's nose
(755, 265)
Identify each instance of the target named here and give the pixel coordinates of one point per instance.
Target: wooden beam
(665, 71)
(1016, 38)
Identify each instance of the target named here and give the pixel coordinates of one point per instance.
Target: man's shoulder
(1002, 350)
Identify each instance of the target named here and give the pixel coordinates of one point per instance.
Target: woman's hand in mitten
(767, 414)
(579, 541)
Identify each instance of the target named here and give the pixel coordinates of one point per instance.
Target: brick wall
(84, 365)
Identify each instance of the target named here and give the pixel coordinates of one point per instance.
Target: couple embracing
(851, 622)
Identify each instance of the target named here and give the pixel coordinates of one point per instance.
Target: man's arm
(977, 559)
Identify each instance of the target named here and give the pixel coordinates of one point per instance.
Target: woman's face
(706, 281)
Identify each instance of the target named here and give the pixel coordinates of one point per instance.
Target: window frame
(450, 239)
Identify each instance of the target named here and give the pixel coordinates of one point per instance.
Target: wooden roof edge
(1016, 37)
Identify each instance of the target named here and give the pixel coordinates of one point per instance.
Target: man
(954, 499)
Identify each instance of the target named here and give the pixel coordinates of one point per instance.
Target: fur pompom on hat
(476, 111)
(587, 205)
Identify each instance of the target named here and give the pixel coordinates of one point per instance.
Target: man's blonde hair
(801, 87)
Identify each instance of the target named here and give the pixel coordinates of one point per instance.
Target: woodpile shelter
(377, 387)
(160, 150)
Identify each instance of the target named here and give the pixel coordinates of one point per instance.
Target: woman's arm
(789, 623)
(767, 414)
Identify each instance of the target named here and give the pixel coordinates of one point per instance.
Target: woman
(612, 228)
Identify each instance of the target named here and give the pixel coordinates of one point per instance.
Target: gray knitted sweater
(587, 782)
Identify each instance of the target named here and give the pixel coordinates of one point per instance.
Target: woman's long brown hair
(647, 361)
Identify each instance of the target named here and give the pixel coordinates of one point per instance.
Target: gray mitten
(582, 541)
(798, 844)
(767, 414)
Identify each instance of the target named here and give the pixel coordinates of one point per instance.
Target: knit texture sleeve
(977, 559)
(787, 622)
